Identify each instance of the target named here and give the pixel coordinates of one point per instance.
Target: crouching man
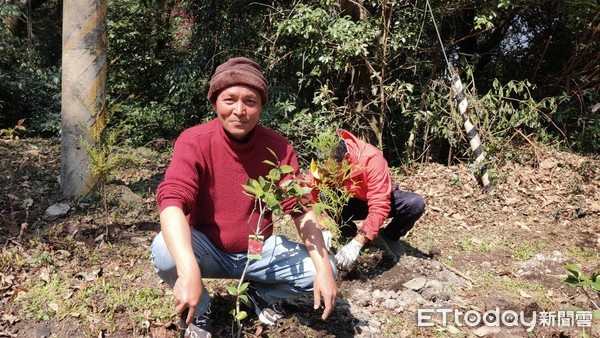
(206, 218)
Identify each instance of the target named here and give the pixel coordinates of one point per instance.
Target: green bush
(29, 71)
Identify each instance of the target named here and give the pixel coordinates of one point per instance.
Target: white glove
(346, 257)
(327, 238)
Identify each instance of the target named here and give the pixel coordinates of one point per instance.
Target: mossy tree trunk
(83, 91)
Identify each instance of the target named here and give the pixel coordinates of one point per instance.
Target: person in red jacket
(206, 218)
(374, 199)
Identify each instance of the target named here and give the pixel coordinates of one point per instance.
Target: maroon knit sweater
(205, 180)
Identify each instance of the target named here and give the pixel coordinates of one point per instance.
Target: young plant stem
(105, 202)
(237, 298)
(241, 281)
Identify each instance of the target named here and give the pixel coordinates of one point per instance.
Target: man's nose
(239, 108)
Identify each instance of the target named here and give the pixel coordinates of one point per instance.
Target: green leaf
(575, 271)
(249, 190)
(241, 315)
(264, 184)
(254, 183)
(317, 208)
(244, 287)
(258, 189)
(270, 200)
(272, 153)
(269, 163)
(298, 190)
(287, 169)
(274, 175)
(244, 298)
(232, 290)
(572, 281)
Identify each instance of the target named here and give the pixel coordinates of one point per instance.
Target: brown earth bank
(87, 273)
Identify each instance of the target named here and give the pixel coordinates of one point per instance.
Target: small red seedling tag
(255, 246)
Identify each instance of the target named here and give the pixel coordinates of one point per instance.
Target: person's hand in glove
(347, 255)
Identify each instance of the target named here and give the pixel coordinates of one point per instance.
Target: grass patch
(526, 250)
(88, 286)
(12, 258)
(425, 240)
(44, 300)
(515, 285)
(472, 244)
(87, 301)
(491, 281)
(41, 259)
(580, 254)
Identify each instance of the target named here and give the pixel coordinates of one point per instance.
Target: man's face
(238, 108)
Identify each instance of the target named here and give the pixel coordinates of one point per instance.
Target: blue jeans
(284, 271)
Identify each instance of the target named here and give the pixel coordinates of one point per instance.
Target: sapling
(329, 176)
(333, 194)
(98, 142)
(268, 192)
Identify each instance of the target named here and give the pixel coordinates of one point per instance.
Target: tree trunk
(83, 92)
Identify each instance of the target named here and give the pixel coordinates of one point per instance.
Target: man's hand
(346, 257)
(188, 287)
(324, 287)
(187, 292)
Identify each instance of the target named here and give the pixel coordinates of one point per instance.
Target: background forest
(531, 70)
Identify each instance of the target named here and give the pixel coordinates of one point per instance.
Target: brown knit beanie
(238, 71)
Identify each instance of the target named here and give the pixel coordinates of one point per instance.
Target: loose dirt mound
(501, 251)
